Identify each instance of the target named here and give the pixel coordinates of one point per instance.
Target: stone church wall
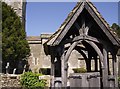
(38, 59)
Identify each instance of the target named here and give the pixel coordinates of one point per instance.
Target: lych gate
(87, 32)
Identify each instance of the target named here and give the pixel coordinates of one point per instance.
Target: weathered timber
(100, 23)
(105, 77)
(73, 19)
(52, 70)
(86, 32)
(62, 70)
(96, 63)
(70, 50)
(98, 52)
(78, 48)
(115, 70)
(89, 62)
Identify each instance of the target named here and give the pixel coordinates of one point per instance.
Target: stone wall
(38, 59)
(10, 81)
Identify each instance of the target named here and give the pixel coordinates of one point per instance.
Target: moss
(79, 70)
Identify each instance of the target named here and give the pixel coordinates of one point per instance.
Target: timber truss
(84, 31)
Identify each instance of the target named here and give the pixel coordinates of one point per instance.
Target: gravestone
(7, 68)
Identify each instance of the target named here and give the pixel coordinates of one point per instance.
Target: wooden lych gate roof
(57, 37)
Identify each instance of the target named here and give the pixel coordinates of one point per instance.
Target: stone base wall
(10, 81)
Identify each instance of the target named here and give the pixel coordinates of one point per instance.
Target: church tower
(19, 7)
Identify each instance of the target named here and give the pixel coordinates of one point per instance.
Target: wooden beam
(69, 24)
(77, 25)
(90, 38)
(102, 25)
(83, 37)
(77, 38)
(81, 30)
(86, 37)
(82, 48)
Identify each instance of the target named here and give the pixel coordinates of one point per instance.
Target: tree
(116, 28)
(14, 44)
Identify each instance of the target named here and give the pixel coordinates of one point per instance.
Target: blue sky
(46, 17)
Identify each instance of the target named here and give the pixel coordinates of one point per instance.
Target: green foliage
(79, 70)
(14, 44)
(116, 28)
(31, 80)
(119, 79)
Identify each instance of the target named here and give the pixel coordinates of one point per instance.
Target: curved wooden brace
(81, 52)
(97, 50)
(89, 42)
(82, 48)
(83, 37)
(84, 55)
(70, 50)
(86, 37)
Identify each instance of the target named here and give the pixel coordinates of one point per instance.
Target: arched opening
(91, 55)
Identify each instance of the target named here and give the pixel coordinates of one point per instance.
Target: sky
(46, 17)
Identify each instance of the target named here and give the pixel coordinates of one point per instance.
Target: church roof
(33, 38)
(80, 5)
(38, 38)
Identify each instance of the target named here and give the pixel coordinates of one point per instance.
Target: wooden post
(62, 69)
(101, 60)
(105, 72)
(65, 62)
(52, 71)
(115, 69)
(89, 62)
(96, 63)
(108, 63)
(65, 74)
